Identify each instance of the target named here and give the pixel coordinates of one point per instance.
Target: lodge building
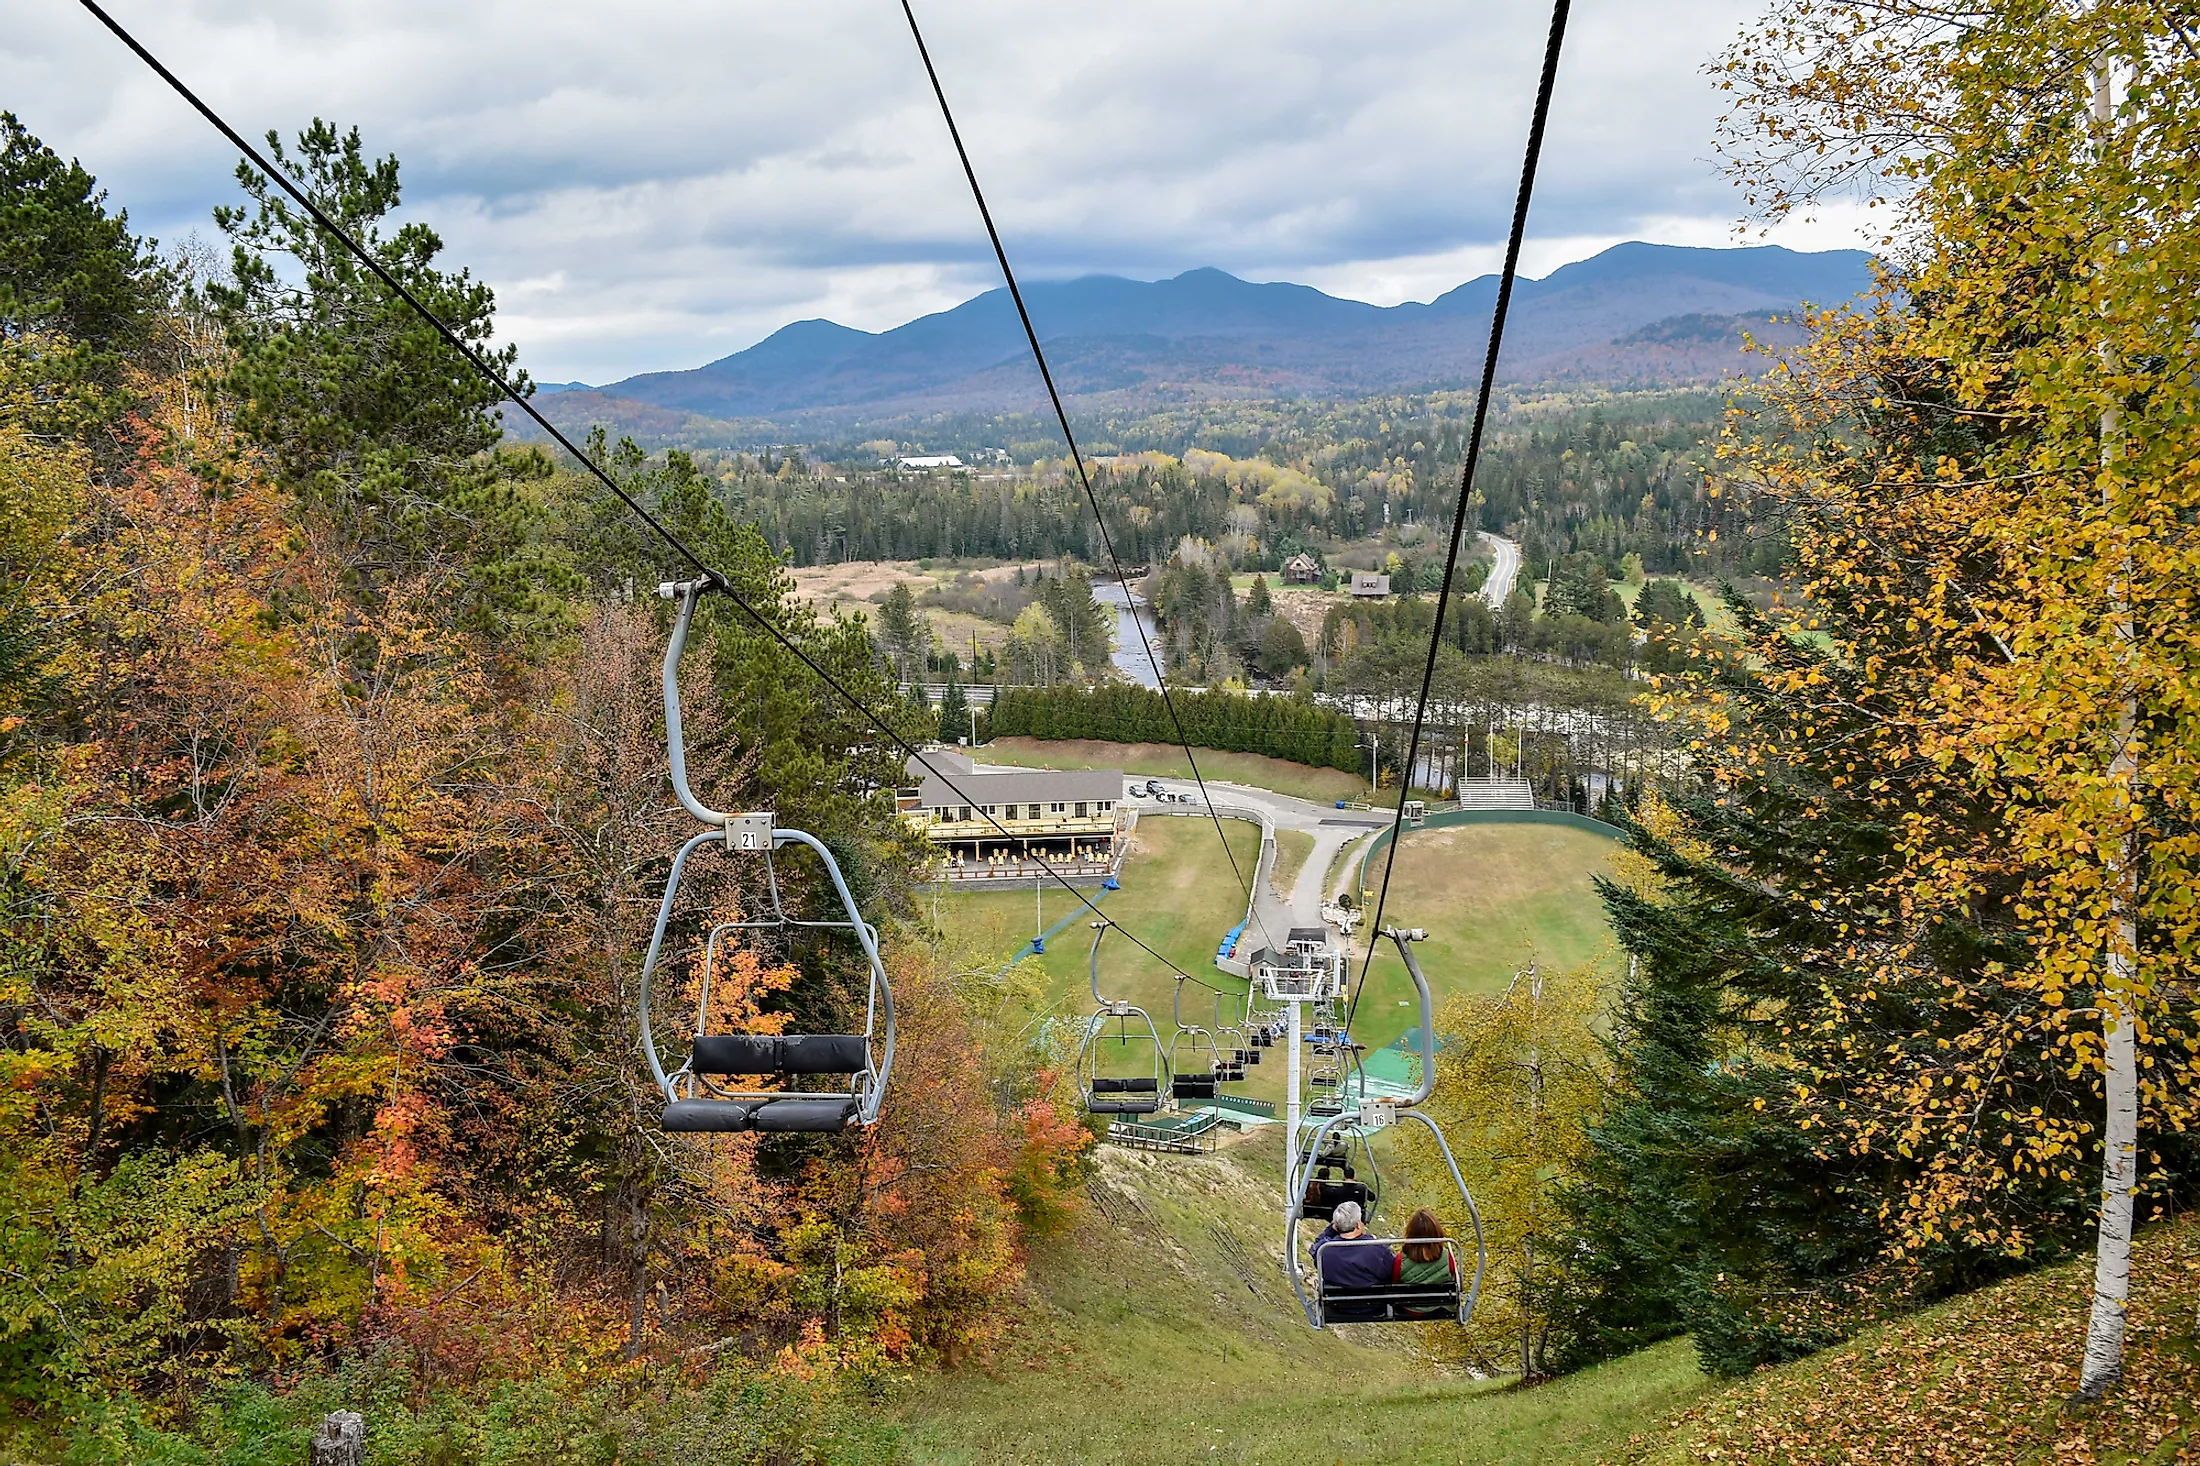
(1070, 819)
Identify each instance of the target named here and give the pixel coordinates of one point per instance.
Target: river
(1130, 655)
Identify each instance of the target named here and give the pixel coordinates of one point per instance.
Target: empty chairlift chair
(1132, 1054)
(702, 1094)
(1326, 1303)
(1236, 1038)
(1195, 1060)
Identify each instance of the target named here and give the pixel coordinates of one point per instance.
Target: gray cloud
(657, 183)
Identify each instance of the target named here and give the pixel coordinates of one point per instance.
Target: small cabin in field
(1301, 570)
(1369, 586)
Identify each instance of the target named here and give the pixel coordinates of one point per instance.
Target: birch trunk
(2104, 1340)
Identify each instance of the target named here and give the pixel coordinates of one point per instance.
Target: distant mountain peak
(1208, 332)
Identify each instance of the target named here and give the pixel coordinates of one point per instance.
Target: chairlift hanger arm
(1404, 938)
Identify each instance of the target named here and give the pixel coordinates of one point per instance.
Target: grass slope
(1178, 897)
(1161, 1331)
(1979, 1379)
(1292, 848)
(1493, 898)
(1167, 761)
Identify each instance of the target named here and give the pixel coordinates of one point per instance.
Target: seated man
(1347, 1258)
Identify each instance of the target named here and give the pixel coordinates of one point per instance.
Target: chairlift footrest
(825, 1115)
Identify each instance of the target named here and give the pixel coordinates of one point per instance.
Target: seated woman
(1348, 1258)
(1424, 1262)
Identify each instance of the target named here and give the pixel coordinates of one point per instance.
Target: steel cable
(716, 581)
(1061, 415)
(1534, 152)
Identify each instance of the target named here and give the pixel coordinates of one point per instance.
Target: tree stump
(341, 1440)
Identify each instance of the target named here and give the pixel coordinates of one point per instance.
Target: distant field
(1715, 614)
(1323, 786)
(1493, 898)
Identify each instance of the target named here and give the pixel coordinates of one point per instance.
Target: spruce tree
(954, 712)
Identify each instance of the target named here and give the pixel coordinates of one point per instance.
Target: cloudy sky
(654, 184)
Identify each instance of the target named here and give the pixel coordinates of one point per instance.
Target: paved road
(1331, 828)
(1504, 572)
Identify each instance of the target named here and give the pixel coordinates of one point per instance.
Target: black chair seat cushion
(702, 1116)
(781, 1116)
(1193, 1087)
(1390, 1303)
(1123, 1107)
(778, 1053)
(1147, 1085)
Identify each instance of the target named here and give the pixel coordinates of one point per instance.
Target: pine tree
(954, 712)
(68, 267)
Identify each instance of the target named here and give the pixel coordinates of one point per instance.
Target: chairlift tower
(1295, 978)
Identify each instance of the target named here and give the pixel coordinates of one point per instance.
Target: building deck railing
(981, 829)
(1008, 870)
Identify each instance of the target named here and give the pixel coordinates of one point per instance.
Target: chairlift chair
(1235, 1043)
(1120, 1093)
(1195, 1060)
(1325, 1303)
(1327, 1187)
(701, 1095)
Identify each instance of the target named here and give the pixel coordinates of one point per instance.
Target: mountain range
(1635, 315)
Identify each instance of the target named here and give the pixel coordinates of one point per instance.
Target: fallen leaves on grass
(1982, 1379)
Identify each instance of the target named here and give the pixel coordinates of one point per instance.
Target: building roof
(1368, 583)
(1006, 786)
(938, 760)
(1315, 935)
(1294, 958)
(933, 460)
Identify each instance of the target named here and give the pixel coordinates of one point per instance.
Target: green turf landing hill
(1493, 898)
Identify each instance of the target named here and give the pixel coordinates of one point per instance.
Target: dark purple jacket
(1352, 1264)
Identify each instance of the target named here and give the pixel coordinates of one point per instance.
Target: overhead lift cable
(1061, 415)
(716, 581)
(1532, 156)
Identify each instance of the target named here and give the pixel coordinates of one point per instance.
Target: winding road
(1504, 572)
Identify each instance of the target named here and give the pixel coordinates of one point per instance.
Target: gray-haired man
(1347, 1256)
